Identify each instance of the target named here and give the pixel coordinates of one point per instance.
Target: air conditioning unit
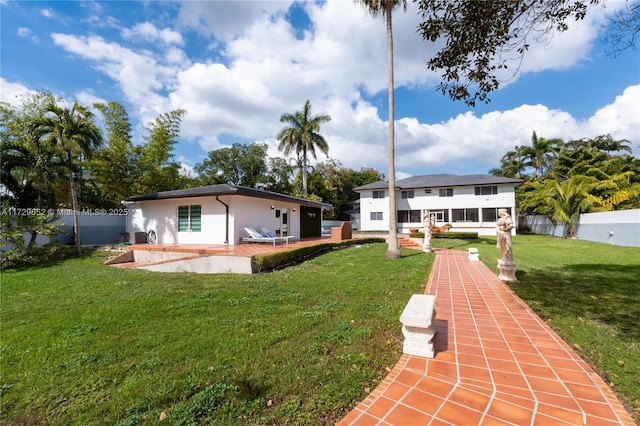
(133, 237)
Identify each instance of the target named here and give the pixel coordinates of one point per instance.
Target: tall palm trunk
(304, 171)
(393, 251)
(74, 204)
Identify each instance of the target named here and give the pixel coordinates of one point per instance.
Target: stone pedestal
(507, 270)
(426, 243)
(417, 325)
(473, 254)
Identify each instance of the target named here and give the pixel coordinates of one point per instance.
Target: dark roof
(441, 180)
(224, 189)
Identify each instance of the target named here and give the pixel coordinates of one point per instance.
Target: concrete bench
(417, 325)
(473, 254)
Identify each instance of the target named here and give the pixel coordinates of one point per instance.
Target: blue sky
(236, 66)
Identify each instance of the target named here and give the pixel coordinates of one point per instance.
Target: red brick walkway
(496, 363)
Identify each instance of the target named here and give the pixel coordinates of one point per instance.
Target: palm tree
(563, 202)
(385, 7)
(512, 164)
(303, 137)
(73, 133)
(34, 163)
(541, 153)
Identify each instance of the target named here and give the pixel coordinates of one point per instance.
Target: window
(376, 215)
(407, 194)
(445, 192)
(427, 191)
(491, 214)
(189, 218)
(378, 194)
(409, 216)
(486, 190)
(464, 215)
(442, 216)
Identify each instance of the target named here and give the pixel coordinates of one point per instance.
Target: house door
(442, 216)
(310, 222)
(282, 222)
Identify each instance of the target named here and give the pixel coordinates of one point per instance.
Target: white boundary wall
(95, 228)
(621, 227)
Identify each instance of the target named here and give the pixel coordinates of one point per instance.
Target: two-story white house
(468, 203)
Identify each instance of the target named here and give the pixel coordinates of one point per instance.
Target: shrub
(15, 251)
(457, 235)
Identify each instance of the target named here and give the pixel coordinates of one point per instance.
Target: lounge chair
(268, 233)
(257, 237)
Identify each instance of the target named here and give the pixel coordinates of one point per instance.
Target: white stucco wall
(621, 227)
(463, 197)
(161, 216)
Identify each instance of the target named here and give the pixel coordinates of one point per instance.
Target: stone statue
(506, 265)
(428, 221)
(503, 231)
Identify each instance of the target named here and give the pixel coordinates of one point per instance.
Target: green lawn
(588, 292)
(84, 343)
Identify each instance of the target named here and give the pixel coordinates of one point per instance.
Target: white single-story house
(467, 203)
(218, 214)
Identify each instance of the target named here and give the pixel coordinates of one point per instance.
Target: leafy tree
(296, 170)
(385, 8)
(14, 250)
(365, 176)
(615, 177)
(278, 176)
(74, 133)
(592, 157)
(157, 169)
(327, 181)
(481, 37)
(623, 29)
(334, 184)
(563, 202)
(29, 167)
(114, 168)
(302, 137)
(239, 164)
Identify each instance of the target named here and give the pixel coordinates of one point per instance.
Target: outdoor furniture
(257, 237)
(268, 233)
(417, 325)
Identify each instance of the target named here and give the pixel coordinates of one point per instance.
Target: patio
(203, 258)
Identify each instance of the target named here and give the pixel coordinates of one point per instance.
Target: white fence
(621, 228)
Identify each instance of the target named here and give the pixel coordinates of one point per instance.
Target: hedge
(450, 235)
(272, 261)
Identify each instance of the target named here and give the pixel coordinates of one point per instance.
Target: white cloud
(48, 12)
(148, 32)
(24, 32)
(140, 75)
(11, 92)
(226, 19)
(619, 119)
